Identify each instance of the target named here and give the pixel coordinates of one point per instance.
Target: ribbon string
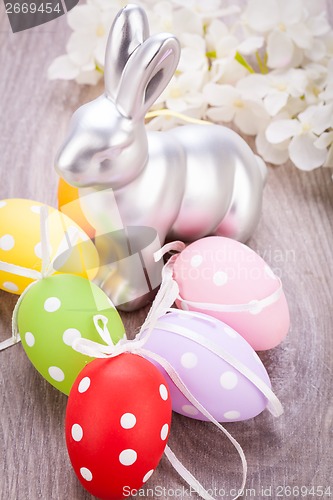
(94, 349)
(274, 405)
(167, 294)
(253, 306)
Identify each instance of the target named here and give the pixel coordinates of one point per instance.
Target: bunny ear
(147, 73)
(129, 30)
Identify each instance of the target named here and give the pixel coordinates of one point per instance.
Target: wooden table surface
(295, 236)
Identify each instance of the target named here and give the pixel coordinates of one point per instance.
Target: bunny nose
(67, 164)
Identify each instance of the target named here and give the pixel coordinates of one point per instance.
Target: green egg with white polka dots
(54, 312)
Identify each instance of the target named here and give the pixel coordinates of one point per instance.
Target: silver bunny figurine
(185, 183)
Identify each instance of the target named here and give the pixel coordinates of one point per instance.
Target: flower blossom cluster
(265, 68)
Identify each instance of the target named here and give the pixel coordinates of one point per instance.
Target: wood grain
(295, 238)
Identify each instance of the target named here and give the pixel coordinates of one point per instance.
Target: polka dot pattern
(231, 415)
(229, 389)
(10, 286)
(35, 209)
(38, 250)
(77, 432)
(228, 380)
(7, 242)
(52, 304)
(196, 260)
(56, 373)
(29, 339)
(128, 457)
(2, 204)
(220, 278)
(189, 360)
(190, 410)
(70, 335)
(164, 392)
(111, 431)
(86, 474)
(128, 421)
(164, 432)
(84, 384)
(147, 476)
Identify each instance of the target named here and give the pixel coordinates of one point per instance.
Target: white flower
(275, 88)
(65, 68)
(193, 54)
(290, 30)
(222, 46)
(327, 94)
(184, 94)
(229, 104)
(277, 154)
(303, 132)
(86, 45)
(164, 17)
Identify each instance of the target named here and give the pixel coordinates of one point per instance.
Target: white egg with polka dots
(190, 343)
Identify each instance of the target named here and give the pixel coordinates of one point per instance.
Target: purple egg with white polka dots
(194, 343)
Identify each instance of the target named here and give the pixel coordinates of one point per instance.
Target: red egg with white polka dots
(117, 424)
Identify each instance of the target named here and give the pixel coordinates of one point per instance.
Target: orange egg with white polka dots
(117, 424)
(20, 243)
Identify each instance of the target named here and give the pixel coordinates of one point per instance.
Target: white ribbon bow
(166, 296)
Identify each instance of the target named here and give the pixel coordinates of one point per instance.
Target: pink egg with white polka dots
(226, 279)
(117, 424)
(192, 344)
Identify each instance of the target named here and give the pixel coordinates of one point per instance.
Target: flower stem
(241, 60)
(262, 63)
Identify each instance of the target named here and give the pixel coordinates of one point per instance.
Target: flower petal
(246, 121)
(319, 25)
(84, 18)
(281, 130)
(220, 95)
(255, 86)
(325, 140)
(317, 51)
(291, 11)
(275, 101)
(320, 118)
(80, 48)
(304, 153)
(280, 50)
(221, 114)
(89, 77)
(329, 158)
(271, 153)
(251, 44)
(262, 15)
(63, 68)
(301, 35)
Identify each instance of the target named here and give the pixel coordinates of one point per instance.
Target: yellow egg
(20, 243)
